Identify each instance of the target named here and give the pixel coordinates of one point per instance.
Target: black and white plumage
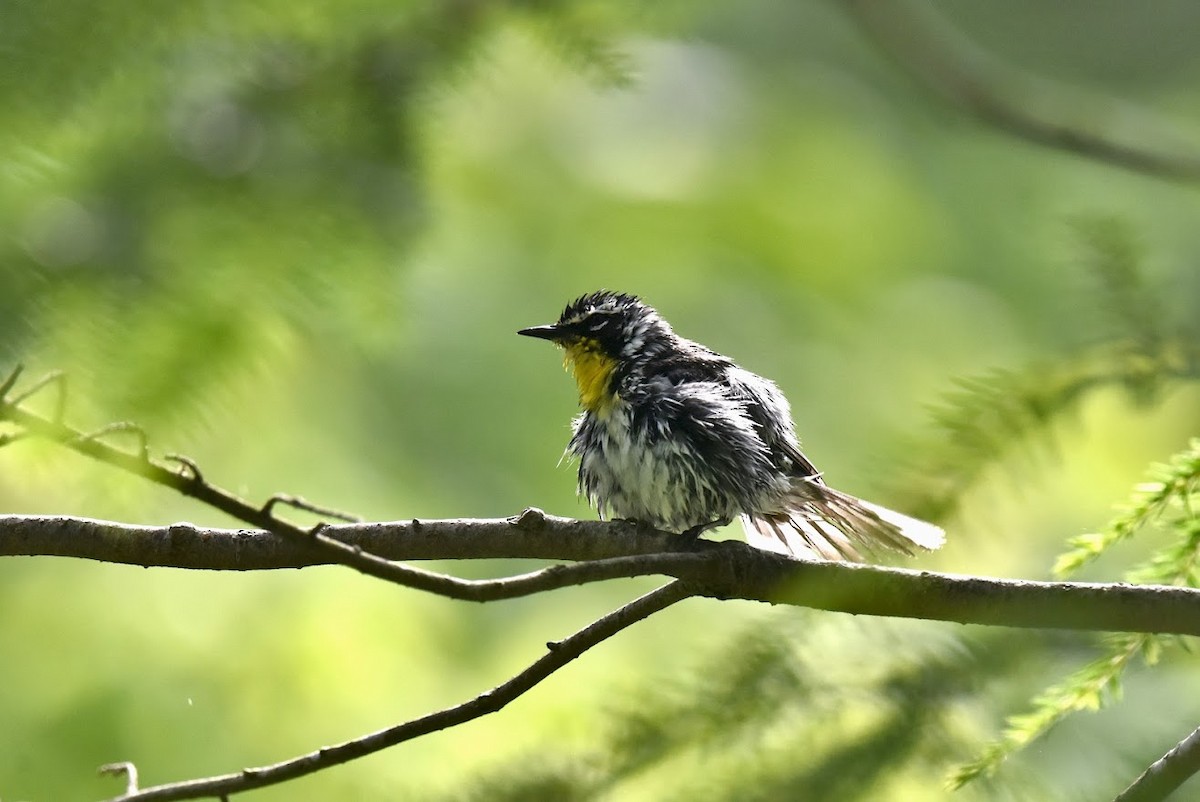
(678, 436)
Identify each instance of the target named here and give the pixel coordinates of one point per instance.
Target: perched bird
(677, 436)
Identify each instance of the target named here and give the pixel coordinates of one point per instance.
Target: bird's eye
(595, 324)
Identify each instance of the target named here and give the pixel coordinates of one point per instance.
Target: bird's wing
(687, 407)
(769, 409)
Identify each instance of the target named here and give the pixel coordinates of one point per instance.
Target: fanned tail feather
(818, 520)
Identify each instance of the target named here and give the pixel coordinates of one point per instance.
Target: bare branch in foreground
(1036, 111)
(1167, 773)
(609, 550)
(560, 653)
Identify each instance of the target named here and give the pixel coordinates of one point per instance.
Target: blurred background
(294, 240)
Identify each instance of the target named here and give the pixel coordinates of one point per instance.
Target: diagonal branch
(190, 482)
(1033, 110)
(560, 653)
(1167, 773)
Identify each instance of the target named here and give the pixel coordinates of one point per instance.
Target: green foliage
(583, 35)
(985, 419)
(988, 418)
(1088, 688)
(794, 707)
(285, 160)
(1113, 257)
(1169, 489)
(1172, 498)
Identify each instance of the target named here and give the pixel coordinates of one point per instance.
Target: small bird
(677, 436)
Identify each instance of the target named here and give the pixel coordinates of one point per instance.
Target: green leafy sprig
(1169, 498)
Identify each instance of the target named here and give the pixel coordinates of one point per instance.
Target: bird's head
(599, 332)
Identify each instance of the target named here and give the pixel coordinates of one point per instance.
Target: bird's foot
(699, 529)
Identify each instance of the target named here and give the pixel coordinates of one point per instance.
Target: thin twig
(11, 380)
(560, 654)
(123, 769)
(15, 437)
(56, 377)
(195, 486)
(1167, 773)
(300, 503)
(188, 464)
(1033, 110)
(122, 427)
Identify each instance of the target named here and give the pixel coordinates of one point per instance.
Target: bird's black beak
(552, 333)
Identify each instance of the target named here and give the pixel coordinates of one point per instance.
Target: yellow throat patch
(592, 369)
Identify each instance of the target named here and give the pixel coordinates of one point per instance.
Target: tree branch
(560, 653)
(1033, 110)
(190, 482)
(1167, 773)
(603, 550)
(608, 550)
